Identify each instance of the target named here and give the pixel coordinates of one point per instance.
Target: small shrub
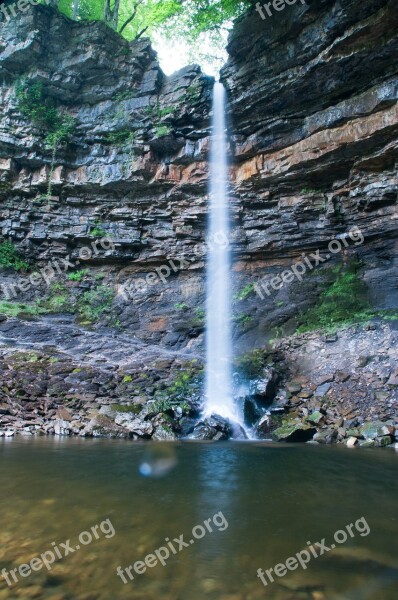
(97, 230)
(162, 130)
(181, 306)
(344, 302)
(10, 258)
(121, 138)
(78, 275)
(94, 303)
(252, 363)
(14, 309)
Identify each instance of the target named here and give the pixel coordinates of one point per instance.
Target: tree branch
(137, 37)
(131, 17)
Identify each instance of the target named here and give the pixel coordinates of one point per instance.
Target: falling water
(219, 398)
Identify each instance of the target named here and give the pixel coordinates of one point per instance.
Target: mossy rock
(294, 431)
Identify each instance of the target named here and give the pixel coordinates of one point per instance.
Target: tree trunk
(111, 14)
(75, 9)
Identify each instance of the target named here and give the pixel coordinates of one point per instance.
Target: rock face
(113, 221)
(314, 117)
(134, 170)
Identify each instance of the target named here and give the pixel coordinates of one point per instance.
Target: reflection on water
(275, 499)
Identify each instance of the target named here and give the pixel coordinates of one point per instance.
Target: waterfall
(218, 388)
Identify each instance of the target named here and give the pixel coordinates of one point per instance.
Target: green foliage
(199, 319)
(78, 275)
(56, 301)
(164, 112)
(121, 138)
(127, 379)
(97, 230)
(252, 363)
(10, 258)
(178, 392)
(243, 320)
(203, 24)
(128, 94)
(43, 113)
(14, 309)
(244, 292)
(194, 92)
(181, 306)
(62, 133)
(344, 302)
(308, 191)
(162, 130)
(127, 408)
(95, 303)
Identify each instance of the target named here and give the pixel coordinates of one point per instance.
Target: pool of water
(269, 501)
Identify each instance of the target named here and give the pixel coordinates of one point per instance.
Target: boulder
(263, 390)
(212, 428)
(374, 429)
(62, 427)
(294, 431)
(317, 418)
(351, 442)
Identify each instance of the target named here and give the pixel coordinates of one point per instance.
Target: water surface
(275, 498)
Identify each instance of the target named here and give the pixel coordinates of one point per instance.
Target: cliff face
(313, 118)
(313, 107)
(134, 168)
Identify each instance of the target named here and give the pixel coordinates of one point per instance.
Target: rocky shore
(60, 379)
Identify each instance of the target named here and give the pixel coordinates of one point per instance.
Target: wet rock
(135, 425)
(164, 433)
(382, 441)
(351, 442)
(211, 427)
(326, 436)
(367, 443)
(317, 418)
(372, 430)
(294, 432)
(263, 427)
(263, 390)
(251, 411)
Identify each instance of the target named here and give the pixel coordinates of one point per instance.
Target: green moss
(251, 364)
(199, 320)
(127, 408)
(194, 92)
(243, 320)
(128, 94)
(15, 309)
(95, 303)
(127, 379)
(78, 275)
(162, 130)
(309, 191)
(343, 303)
(97, 230)
(244, 292)
(181, 306)
(43, 114)
(121, 138)
(10, 258)
(57, 300)
(177, 393)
